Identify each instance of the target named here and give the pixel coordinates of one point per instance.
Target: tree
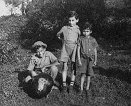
(15, 3)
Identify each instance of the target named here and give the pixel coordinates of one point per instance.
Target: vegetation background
(41, 20)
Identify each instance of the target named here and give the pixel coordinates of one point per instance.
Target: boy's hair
(73, 14)
(87, 25)
(34, 49)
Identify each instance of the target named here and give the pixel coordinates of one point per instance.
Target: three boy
(83, 48)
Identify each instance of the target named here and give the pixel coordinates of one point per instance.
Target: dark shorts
(86, 67)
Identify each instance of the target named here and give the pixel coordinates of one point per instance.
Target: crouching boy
(42, 61)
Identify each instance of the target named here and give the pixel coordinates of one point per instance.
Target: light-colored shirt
(70, 33)
(37, 62)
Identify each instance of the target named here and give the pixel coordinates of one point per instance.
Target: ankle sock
(64, 83)
(72, 83)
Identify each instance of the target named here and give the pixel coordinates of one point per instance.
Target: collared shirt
(70, 33)
(37, 62)
(87, 45)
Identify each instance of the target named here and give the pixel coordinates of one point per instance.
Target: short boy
(87, 55)
(41, 61)
(70, 34)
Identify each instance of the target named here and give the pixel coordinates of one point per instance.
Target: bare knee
(65, 67)
(83, 75)
(54, 69)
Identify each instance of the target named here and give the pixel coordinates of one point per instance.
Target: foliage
(10, 30)
(47, 17)
(110, 87)
(15, 3)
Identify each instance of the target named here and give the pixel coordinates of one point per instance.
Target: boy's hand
(44, 69)
(79, 63)
(33, 74)
(59, 37)
(94, 63)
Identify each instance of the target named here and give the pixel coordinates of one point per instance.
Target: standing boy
(70, 34)
(87, 56)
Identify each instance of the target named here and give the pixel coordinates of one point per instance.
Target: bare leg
(72, 78)
(73, 68)
(54, 71)
(64, 73)
(82, 81)
(88, 82)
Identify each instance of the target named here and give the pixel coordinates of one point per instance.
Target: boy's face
(40, 52)
(87, 32)
(73, 21)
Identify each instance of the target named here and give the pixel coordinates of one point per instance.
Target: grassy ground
(111, 85)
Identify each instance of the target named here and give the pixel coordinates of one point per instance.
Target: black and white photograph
(65, 52)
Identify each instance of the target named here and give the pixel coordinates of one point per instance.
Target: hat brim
(45, 46)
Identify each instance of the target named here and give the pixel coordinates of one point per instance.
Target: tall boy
(70, 34)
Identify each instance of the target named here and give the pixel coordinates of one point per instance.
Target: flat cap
(39, 43)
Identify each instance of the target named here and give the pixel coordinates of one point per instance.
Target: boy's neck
(88, 36)
(72, 26)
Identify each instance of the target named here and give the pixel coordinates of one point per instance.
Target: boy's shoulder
(48, 53)
(67, 26)
(92, 38)
(84, 38)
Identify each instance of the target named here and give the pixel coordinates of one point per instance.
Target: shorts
(86, 67)
(68, 52)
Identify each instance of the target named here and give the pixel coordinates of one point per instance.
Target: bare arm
(78, 53)
(52, 64)
(31, 67)
(59, 33)
(95, 60)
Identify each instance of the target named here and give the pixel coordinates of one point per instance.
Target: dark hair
(34, 49)
(72, 14)
(87, 25)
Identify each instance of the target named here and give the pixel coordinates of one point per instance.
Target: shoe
(64, 90)
(88, 95)
(71, 89)
(56, 83)
(81, 92)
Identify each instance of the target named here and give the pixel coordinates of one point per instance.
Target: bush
(10, 30)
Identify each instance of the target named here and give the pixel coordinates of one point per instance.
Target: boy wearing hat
(42, 61)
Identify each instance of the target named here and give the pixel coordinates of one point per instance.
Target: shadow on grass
(123, 75)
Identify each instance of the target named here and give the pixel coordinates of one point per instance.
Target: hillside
(111, 85)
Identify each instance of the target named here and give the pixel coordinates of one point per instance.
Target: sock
(72, 83)
(64, 83)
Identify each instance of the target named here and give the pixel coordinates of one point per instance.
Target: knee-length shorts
(86, 67)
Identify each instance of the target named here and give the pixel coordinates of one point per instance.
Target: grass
(108, 87)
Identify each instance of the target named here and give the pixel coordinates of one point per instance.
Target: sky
(3, 9)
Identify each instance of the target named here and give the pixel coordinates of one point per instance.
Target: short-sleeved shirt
(37, 62)
(71, 35)
(87, 45)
